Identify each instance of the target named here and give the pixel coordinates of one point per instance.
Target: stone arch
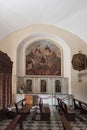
(30, 39)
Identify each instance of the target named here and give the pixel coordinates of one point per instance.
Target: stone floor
(53, 124)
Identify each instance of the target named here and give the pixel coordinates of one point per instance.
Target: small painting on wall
(57, 86)
(43, 86)
(21, 86)
(28, 85)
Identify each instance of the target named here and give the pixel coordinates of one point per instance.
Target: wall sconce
(80, 76)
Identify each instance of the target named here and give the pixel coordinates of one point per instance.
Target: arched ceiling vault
(66, 14)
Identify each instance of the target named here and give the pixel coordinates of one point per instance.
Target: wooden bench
(80, 105)
(65, 110)
(22, 108)
(3, 114)
(65, 123)
(45, 114)
(33, 113)
(16, 121)
(44, 111)
(6, 114)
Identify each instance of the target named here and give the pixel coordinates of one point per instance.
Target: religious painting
(43, 85)
(57, 86)
(21, 86)
(43, 58)
(28, 85)
(79, 61)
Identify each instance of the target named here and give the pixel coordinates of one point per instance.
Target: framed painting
(79, 62)
(43, 58)
(21, 86)
(28, 85)
(57, 86)
(43, 86)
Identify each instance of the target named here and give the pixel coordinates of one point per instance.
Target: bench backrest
(19, 104)
(82, 106)
(63, 106)
(79, 103)
(40, 104)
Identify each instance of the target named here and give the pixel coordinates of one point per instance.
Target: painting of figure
(57, 86)
(28, 85)
(43, 86)
(21, 86)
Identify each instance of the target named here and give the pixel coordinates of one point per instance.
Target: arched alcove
(66, 64)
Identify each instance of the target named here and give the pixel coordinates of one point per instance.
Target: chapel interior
(43, 65)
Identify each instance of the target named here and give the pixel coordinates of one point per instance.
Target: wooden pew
(3, 114)
(33, 113)
(21, 107)
(65, 123)
(45, 114)
(65, 110)
(16, 121)
(44, 111)
(6, 114)
(80, 105)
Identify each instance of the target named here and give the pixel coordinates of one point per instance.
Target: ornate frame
(79, 62)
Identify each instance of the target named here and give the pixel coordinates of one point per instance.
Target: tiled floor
(4, 123)
(53, 124)
(80, 123)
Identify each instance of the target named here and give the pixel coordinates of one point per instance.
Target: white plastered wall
(66, 58)
(73, 43)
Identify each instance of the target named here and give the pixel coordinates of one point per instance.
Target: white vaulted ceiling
(67, 14)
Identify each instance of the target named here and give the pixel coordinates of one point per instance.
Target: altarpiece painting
(43, 58)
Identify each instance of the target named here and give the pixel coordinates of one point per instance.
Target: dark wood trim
(5, 80)
(65, 110)
(65, 123)
(17, 120)
(82, 106)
